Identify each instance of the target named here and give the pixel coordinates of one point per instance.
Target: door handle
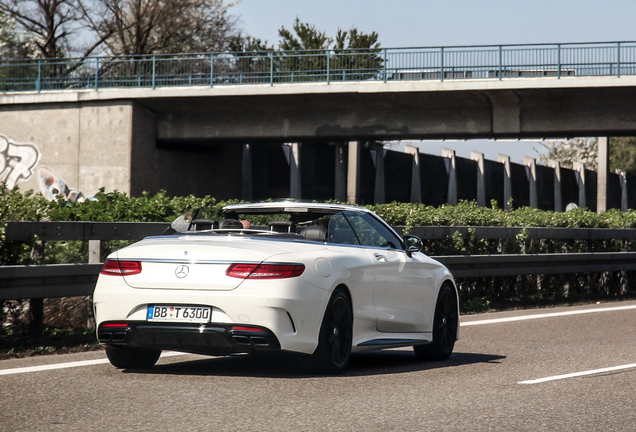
(379, 257)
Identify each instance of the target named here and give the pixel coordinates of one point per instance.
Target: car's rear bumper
(210, 338)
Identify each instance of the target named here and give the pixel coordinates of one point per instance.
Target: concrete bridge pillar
(580, 169)
(416, 179)
(295, 187)
(451, 169)
(602, 174)
(481, 177)
(531, 168)
(507, 179)
(246, 174)
(558, 199)
(353, 172)
(341, 172)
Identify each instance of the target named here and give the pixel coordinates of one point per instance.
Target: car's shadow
(281, 366)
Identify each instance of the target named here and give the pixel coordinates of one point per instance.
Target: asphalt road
(480, 388)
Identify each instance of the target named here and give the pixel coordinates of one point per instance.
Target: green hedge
(476, 294)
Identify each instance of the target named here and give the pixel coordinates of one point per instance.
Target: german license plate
(195, 314)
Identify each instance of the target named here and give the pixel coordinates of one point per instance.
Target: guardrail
(66, 280)
(278, 67)
(63, 280)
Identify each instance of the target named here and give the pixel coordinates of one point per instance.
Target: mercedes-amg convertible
(318, 280)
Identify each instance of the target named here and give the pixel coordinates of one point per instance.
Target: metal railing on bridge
(284, 67)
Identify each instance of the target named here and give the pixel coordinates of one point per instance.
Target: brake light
(116, 325)
(121, 268)
(265, 271)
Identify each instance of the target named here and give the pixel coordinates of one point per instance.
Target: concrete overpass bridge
(181, 123)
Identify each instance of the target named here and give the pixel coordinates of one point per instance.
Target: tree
(122, 27)
(623, 155)
(353, 50)
(584, 150)
(137, 27)
(47, 23)
(357, 51)
(10, 44)
(251, 60)
(305, 37)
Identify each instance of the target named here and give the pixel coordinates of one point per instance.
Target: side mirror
(413, 244)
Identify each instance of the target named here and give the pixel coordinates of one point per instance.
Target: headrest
(315, 233)
(203, 224)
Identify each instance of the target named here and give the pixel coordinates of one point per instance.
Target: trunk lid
(195, 262)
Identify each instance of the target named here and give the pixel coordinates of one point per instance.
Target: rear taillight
(121, 268)
(265, 271)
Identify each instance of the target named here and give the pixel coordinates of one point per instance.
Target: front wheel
(445, 324)
(336, 335)
(132, 358)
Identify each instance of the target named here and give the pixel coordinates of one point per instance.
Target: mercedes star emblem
(182, 271)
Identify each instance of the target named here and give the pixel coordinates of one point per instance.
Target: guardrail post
(618, 59)
(558, 61)
(271, 68)
(96, 72)
(384, 65)
(328, 66)
(441, 64)
(212, 70)
(500, 63)
(154, 65)
(38, 83)
(94, 257)
(36, 305)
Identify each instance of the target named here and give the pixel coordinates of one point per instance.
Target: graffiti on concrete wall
(52, 186)
(17, 161)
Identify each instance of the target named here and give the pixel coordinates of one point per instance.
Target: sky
(425, 23)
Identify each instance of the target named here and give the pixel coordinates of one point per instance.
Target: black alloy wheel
(445, 324)
(336, 334)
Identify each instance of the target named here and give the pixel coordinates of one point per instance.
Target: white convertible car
(317, 279)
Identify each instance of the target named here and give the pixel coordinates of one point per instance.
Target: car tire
(445, 324)
(336, 334)
(132, 358)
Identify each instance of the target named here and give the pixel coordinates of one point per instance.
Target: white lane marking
(68, 365)
(578, 374)
(171, 354)
(547, 315)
